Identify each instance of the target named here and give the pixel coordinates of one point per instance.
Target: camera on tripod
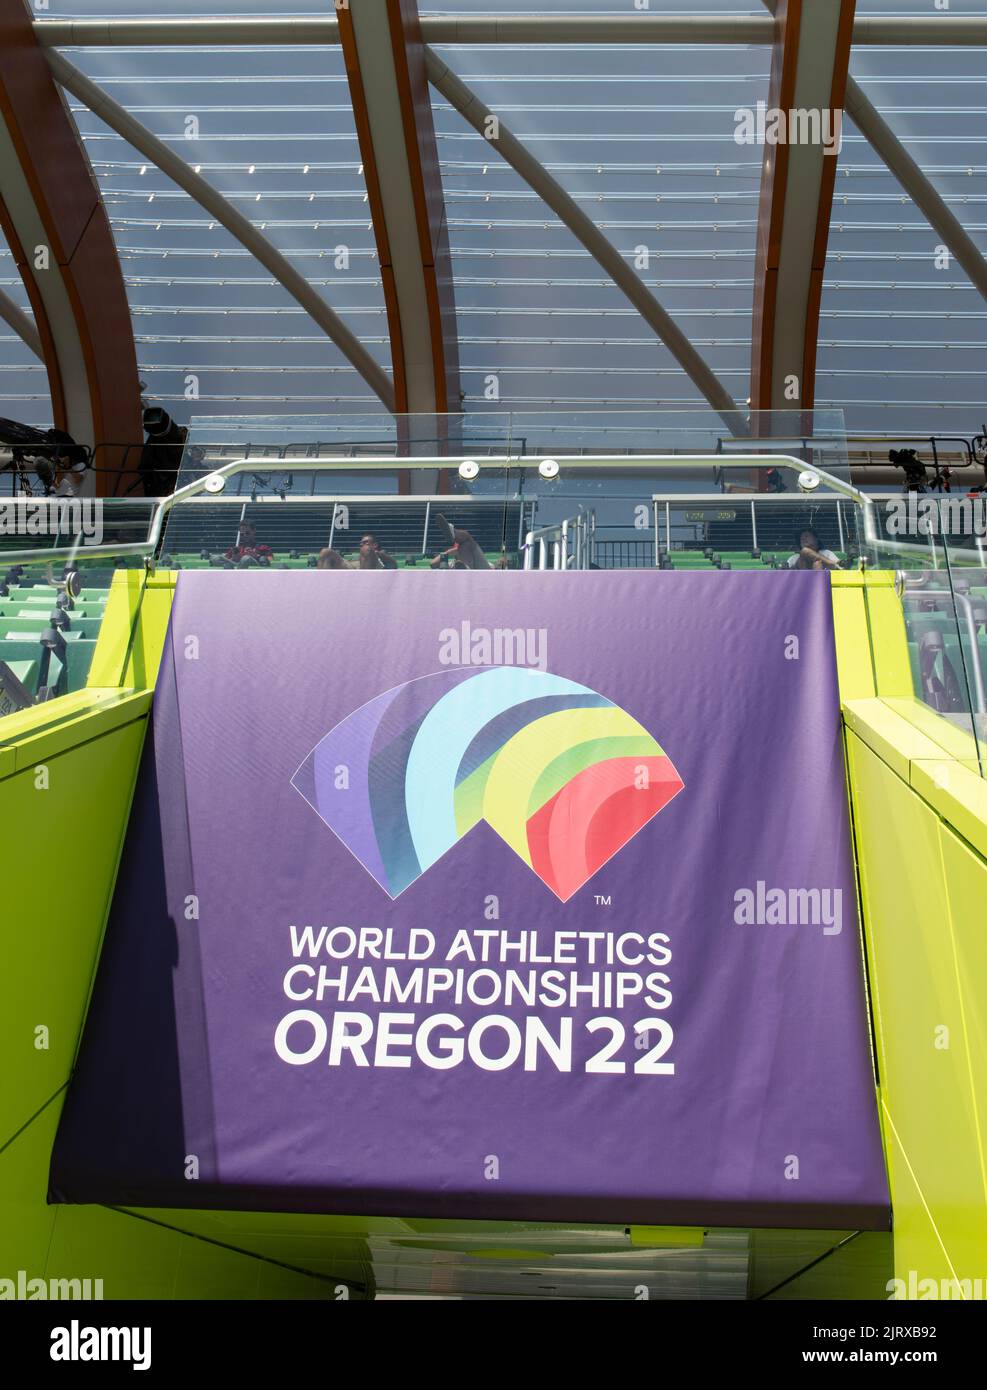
(914, 469)
(161, 456)
(50, 458)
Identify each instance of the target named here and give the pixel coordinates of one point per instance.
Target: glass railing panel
(59, 557)
(603, 459)
(367, 513)
(750, 530)
(937, 544)
(537, 510)
(962, 529)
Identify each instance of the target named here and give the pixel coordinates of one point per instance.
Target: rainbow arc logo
(561, 773)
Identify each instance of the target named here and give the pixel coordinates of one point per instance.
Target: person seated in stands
(372, 557)
(330, 559)
(463, 552)
(810, 555)
(247, 547)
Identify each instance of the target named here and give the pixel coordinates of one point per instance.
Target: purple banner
(487, 895)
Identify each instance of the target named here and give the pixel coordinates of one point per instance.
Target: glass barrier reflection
(53, 618)
(936, 542)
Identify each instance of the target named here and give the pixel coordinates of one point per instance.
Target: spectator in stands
(463, 551)
(372, 557)
(248, 549)
(809, 554)
(330, 559)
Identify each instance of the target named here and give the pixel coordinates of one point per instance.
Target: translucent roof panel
(24, 391)
(273, 131)
(903, 329)
(641, 136)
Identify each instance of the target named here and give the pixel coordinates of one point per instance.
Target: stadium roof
(639, 134)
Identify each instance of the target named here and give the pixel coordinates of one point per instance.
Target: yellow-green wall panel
(131, 636)
(931, 1107)
(853, 658)
(966, 888)
(56, 896)
(888, 640)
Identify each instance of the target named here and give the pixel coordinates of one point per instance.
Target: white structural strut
(22, 324)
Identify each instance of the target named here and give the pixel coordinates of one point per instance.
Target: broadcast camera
(53, 457)
(161, 456)
(914, 469)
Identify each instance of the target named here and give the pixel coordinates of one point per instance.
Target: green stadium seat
(78, 652)
(26, 671)
(34, 634)
(15, 652)
(29, 622)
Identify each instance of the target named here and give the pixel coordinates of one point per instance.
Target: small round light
(548, 469)
(468, 470)
(808, 480)
(214, 483)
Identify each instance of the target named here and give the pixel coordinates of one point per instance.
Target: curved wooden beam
(60, 237)
(385, 66)
(809, 63)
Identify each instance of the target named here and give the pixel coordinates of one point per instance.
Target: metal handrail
(216, 481)
(581, 528)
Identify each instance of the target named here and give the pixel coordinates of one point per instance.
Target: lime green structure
(919, 809)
